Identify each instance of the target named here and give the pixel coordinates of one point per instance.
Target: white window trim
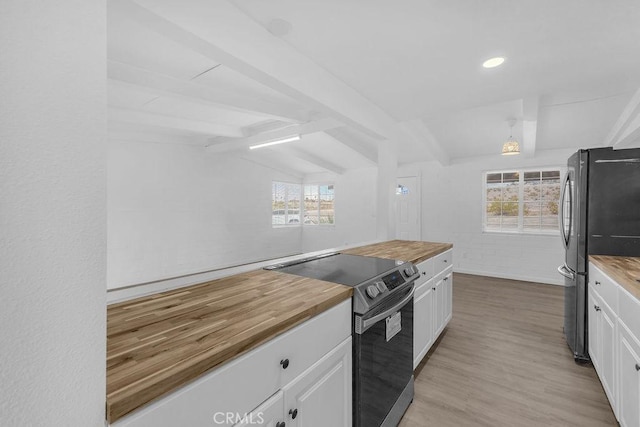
(290, 225)
(519, 231)
(318, 183)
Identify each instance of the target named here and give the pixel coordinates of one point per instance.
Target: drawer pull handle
(424, 273)
(596, 308)
(284, 363)
(444, 260)
(637, 367)
(597, 283)
(293, 413)
(446, 278)
(433, 289)
(281, 424)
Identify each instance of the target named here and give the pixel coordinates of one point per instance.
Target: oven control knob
(372, 291)
(381, 287)
(409, 271)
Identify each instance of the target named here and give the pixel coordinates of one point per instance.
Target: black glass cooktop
(350, 270)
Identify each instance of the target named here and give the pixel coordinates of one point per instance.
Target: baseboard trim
(524, 278)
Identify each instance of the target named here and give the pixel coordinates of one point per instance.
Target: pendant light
(511, 147)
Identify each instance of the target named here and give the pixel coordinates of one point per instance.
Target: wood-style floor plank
(503, 361)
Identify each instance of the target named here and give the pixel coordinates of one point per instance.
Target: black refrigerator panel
(614, 202)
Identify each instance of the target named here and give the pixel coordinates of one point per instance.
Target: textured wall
(52, 213)
(176, 209)
(452, 212)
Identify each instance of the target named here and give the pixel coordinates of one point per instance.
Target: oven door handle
(367, 323)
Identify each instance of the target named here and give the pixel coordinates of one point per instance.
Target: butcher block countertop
(158, 343)
(404, 250)
(624, 270)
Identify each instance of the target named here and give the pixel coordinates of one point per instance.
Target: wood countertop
(158, 343)
(405, 250)
(624, 270)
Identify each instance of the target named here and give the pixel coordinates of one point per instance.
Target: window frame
(521, 171)
(318, 185)
(286, 208)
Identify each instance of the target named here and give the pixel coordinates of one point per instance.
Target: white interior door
(407, 202)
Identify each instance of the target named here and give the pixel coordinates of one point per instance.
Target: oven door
(383, 361)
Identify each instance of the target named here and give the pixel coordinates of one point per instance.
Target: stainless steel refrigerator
(599, 215)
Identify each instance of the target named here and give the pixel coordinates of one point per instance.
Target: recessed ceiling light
(493, 62)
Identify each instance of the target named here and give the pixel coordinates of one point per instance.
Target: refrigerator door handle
(567, 272)
(565, 229)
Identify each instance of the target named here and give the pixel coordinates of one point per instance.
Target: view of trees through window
(288, 209)
(522, 200)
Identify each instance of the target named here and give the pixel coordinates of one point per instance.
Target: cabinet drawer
(245, 382)
(443, 261)
(629, 311)
(605, 287)
(426, 271)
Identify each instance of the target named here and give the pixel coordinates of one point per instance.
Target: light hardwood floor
(503, 361)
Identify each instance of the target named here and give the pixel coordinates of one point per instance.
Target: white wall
(452, 212)
(52, 213)
(355, 203)
(176, 209)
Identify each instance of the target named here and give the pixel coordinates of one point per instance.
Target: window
(318, 204)
(522, 201)
(285, 204)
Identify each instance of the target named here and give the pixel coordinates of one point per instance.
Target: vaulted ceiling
(349, 75)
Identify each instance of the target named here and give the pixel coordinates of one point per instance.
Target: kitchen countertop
(405, 250)
(624, 270)
(160, 342)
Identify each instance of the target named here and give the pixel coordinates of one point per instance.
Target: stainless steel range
(382, 330)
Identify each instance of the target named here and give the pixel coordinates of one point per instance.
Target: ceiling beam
(313, 159)
(220, 31)
(161, 84)
(349, 138)
(425, 140)
(172, 122)
(530, 108)
(625, 130)
(222, 145)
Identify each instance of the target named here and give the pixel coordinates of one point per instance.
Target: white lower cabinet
(614, 347)
(602, 342)
(321, 396)
(306, 368)
(629, 374)
(432, 303)
(423, 330)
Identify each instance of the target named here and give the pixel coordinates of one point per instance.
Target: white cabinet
(321, 396)
(269, 414)
(629, 374)
(432, 303)
(251, 380)
(614, 328)
(602, 342)
(423, 330)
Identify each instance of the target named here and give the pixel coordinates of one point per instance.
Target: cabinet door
(422, 323)
(629, 370)
(448, 297)
(439, 302)
(321, 396)
(269, 414)
(607, 348)
(594, 335)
